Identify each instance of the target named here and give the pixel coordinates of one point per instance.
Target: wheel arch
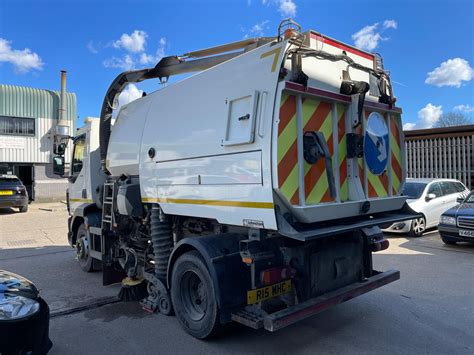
(86, 213)
(230, 276)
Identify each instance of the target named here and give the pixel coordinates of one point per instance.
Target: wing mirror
(430, 197)
(58, 165)
(460, 200)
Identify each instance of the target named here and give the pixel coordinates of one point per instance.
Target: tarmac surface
(429, 310)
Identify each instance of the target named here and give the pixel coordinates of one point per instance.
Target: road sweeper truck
(251, 191)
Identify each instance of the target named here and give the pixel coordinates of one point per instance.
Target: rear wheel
(192, 293)
(418, 227)
(82, 249)
(23, 209)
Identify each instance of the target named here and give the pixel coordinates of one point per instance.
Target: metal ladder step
(248, 318)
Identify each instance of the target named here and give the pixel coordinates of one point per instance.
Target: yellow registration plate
(265, 293)
(6, 192)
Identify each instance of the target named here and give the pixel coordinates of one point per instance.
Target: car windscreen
(470, 198)
(9, 180)
(413, 189)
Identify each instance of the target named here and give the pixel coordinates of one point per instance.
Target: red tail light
(276, 274)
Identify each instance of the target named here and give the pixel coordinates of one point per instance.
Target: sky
(428, 46)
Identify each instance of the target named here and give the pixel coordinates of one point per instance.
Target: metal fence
(440, 153)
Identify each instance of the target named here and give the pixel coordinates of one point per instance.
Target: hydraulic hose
(161, 240)
(111, 97)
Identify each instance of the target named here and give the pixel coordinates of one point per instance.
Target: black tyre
(82, 249)
(418, 227)
(448, 241)
(23, 209)
(193, 296)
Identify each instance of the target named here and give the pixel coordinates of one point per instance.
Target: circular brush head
(132, 290)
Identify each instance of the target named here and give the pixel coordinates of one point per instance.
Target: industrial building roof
(20, 101)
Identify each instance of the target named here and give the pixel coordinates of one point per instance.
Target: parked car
(457, 223)
(13, 193)
(24, 317)
(430, 197)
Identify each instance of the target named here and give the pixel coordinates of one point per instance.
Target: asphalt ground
(430, 310)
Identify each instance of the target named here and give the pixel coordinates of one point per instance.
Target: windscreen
(413, 189)
(9, 180)
(470, 198)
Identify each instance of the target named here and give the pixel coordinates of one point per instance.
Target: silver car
(431, 197)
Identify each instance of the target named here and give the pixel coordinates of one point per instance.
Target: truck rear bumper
(283, 318)
(280, 319)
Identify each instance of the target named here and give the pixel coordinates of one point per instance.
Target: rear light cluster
(276, 274)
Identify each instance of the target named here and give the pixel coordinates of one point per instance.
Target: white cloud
(160, 52)
(287, 8)
(129, 94)
(390, 24)
(23, 60)
(451, 73)
(257, 30)
(409, 126)
(153, 59)
(125, 63)
(133, 43)
(146, 58)
(130, 61)
(429, 115)
(91, 47)
(369, 37)
(464, 108)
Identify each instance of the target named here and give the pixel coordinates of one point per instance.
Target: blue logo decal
(376, 143)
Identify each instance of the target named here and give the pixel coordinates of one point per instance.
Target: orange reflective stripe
(287, 149)
(287, 112)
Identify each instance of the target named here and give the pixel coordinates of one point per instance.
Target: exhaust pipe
(61, 130)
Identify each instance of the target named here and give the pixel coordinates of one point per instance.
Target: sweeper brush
(132, 290)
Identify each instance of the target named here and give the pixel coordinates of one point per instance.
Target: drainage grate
(19, 243)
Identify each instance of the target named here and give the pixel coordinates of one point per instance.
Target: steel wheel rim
(82, 249)
(419, 225)
(193, 295)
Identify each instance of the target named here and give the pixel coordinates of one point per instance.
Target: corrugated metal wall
(20, 101)
(37, 149)
(43, 106)
(443, 157)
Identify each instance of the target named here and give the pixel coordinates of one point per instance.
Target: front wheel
(23, 209)
(418, 227)
(193, 296)
(82, 249)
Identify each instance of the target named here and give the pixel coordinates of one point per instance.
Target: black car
(457, 223)
(13, 193)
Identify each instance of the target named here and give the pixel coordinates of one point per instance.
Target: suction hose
(162, 241)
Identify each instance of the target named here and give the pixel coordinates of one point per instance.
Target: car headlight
(447, 220)
(16, 307)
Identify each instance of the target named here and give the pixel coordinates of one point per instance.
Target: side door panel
(434, 206)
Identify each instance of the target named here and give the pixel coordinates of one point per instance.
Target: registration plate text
(6, 192)
(465, 233)
(265, 293)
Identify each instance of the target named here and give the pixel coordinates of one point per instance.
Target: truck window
(78, 155)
